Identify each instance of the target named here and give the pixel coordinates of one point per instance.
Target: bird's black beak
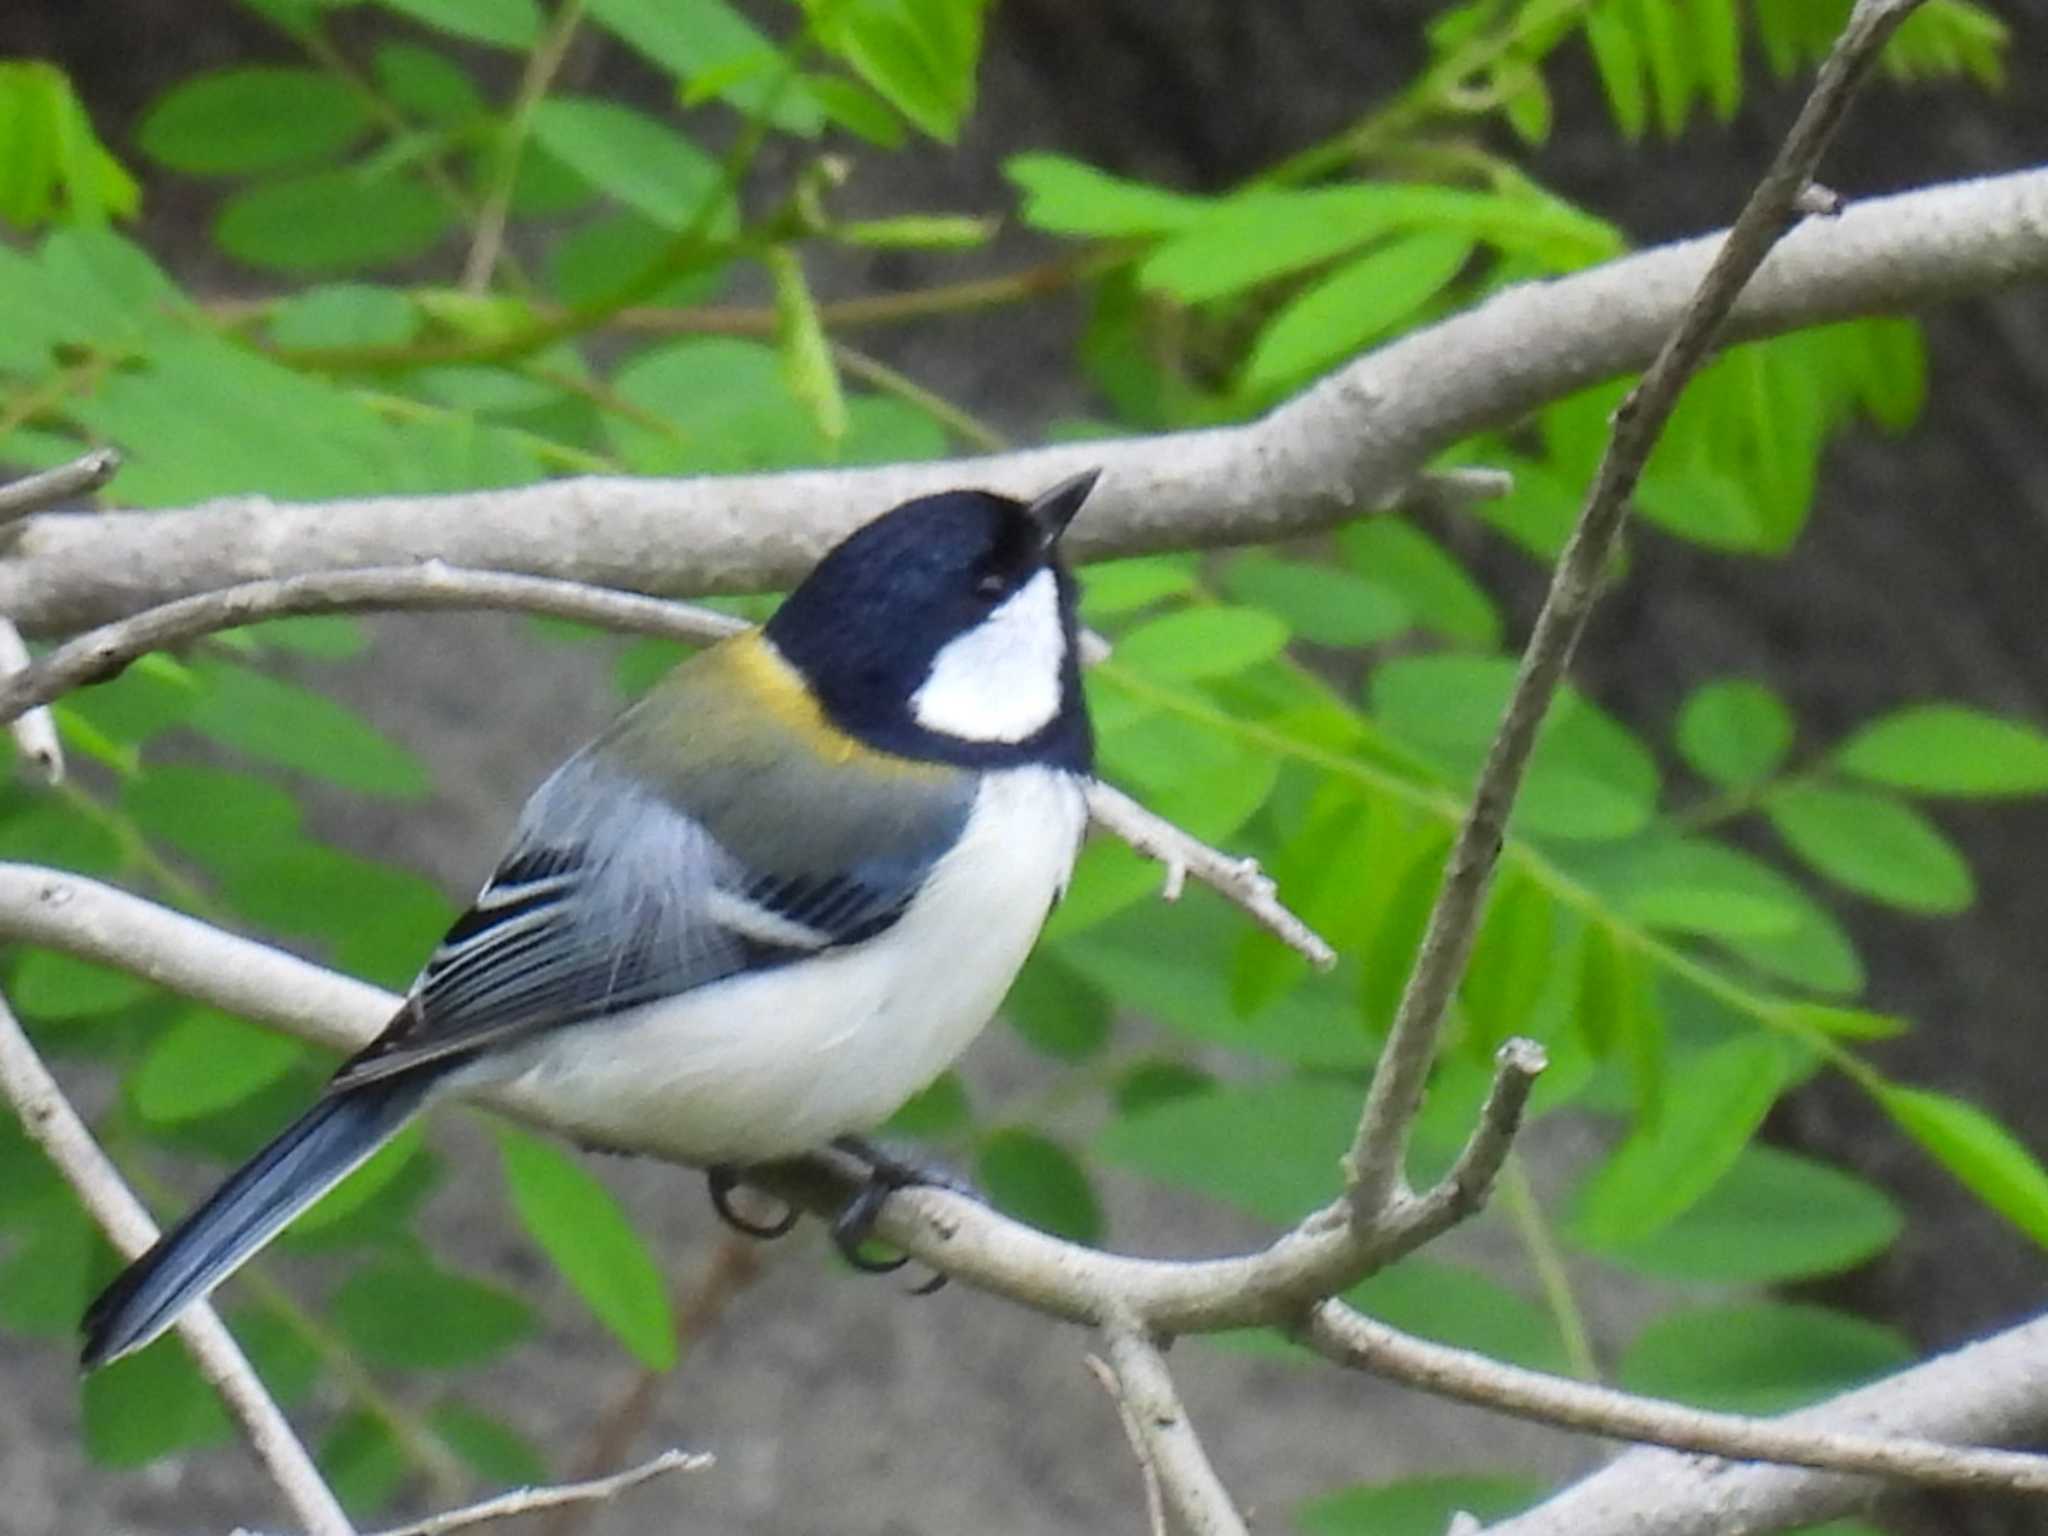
(1055, 509)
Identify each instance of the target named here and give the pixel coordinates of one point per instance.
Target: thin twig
(1146, 1392)
(1349, 1338)
(34, 730)
(541, 67)
(526, 1501)
(38, 492)
(50, 1120)
(1148, 1475)
(735, 1264)
(1374, 1164)
(1465, 1188)
(101, 653)
(1239, 879)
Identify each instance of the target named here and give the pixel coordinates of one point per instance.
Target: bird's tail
(312, 1155)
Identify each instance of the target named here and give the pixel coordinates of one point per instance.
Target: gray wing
(621, 889)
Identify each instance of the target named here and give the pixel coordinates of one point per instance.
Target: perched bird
(776, 898)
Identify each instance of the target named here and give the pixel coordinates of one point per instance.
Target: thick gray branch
(1348, 444)
(1984, 1393)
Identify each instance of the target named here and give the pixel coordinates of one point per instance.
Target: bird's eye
(991, 585)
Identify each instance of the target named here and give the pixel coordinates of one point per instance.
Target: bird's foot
(723, 1179)
(890, 1168)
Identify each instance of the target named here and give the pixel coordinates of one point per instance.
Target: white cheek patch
(1001, 680)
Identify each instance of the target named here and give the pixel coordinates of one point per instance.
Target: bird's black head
(945, 630)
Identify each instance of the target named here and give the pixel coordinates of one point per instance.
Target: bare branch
(526, 1501)
(1155, 1503)
(1239, 879)
(48, 1117)
(1339, 1333)
(1465, 1188)
(1343, 446)
(37, 493)
(102, 653)
(1374, 1165)
(34, 730)
(1146, 1393)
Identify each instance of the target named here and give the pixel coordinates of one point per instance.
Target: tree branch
(50, 1120)
(39, 492)
(1374, 1165)
(34, 729)
(1169, 1445)
(527, 1501)
(1348, 444)
(1339, 1333)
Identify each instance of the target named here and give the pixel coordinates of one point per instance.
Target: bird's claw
(723, 1180)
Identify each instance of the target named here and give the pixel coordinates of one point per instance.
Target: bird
(777, 897)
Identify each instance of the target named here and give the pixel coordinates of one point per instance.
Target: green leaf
(642, 162)
(1983, 1155)
(1301, 1126)
(1356, 304)
(1057, 1010)
(1066, 197)
(1201, 642)
(332, 221)
(579, 1225)
(729, 405)
(363, 1463)
(1734, 732)
(1873, 844)
(50, 986)
(1773, 1217)
(1511, 959)
(1414, 1506)
(327, 636)
(498, 1453)
(409, 1314)
(1416, 569)
(1661, 1170)
(1460, 1306)
(1319, 603)
(917, 231)
(148, 1405)
(697, 39)
(428, 85)
(1589, 778)
(1948, 749)
(219, 819)
(1760, 1358)
(205, 1063)
(1122, 586)
(504, 23)
(1690, 885)
(937, 1112)
(1260, 236)
(919, 55)
(806, 351)
(1619, 62)
(251, 118)
(344, 315)
(384, 1170)
(1038, 1181)
(54, 166)
(51, 1275)
(278, 722)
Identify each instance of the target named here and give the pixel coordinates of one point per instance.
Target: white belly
(779, 1062)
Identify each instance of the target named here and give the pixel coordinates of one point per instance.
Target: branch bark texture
(1349, 444)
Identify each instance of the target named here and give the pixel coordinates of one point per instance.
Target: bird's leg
(723, 1179)
(889, 1169)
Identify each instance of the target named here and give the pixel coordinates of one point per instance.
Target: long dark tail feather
(312, 1155)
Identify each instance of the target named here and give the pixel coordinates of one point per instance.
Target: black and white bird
(773, 901)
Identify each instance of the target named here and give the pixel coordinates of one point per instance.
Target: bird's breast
(775, 1062)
